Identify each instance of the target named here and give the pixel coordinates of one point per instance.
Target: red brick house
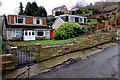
(18, 27)
(61, 8)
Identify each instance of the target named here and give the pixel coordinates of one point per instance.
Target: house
(18, 27)
(61, 8)
(69, 18)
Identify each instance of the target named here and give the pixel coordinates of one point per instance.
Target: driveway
(101, 65)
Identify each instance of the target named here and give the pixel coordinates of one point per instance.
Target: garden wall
(85, 42)
(8, 62)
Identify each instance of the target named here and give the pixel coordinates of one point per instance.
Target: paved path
(101, 65)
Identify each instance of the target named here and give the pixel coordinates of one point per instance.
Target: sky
(12, 6)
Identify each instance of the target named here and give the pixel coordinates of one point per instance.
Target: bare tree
(16, 10)
(80, 4)
(111, 0)
(0, 3)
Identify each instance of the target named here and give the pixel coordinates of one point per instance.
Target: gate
(24, 56)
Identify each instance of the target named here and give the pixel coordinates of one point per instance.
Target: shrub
(85, 29)
(4, 48)
(67, 30)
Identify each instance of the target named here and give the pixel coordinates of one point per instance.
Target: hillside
(112, 8)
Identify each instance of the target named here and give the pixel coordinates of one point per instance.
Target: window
(37, 21)
(85, 20)
(20, 20)
(33, 33)
(26, 33)
(76, 19)
(16, 33)
(80, 19)
(13, 33)
(72, 19)
(66, 18)
(29, 33)
(40, 33)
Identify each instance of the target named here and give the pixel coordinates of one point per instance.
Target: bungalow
(69, 18)
(18, 27)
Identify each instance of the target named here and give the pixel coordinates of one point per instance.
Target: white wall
(57, 23)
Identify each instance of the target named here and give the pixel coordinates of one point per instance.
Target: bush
(85, 29)
(67, 30)
(4, 48)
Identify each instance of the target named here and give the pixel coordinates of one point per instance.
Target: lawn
(43, 42)
(92, 21)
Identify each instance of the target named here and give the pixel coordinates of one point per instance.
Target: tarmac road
(101, 65)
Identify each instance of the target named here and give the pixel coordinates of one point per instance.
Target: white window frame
(81, 21)
(14, 34)
(40, 31)
(17, 20)
(34, 21)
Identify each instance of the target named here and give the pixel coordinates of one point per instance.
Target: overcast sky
(12, 6)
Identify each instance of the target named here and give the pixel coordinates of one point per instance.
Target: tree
(34, 8)
(50, 21)
(21, 12)
(4, 48)
(42, 12)
(79, 11)
(59, 13)
(67, 30)
(28, 10)
(80, 4)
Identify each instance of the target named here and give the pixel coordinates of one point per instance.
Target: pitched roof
(59, 7)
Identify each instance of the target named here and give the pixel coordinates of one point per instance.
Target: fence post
(13, 50)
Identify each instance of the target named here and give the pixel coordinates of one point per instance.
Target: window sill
(39, 36)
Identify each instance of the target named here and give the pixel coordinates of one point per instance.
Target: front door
(29, 35)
